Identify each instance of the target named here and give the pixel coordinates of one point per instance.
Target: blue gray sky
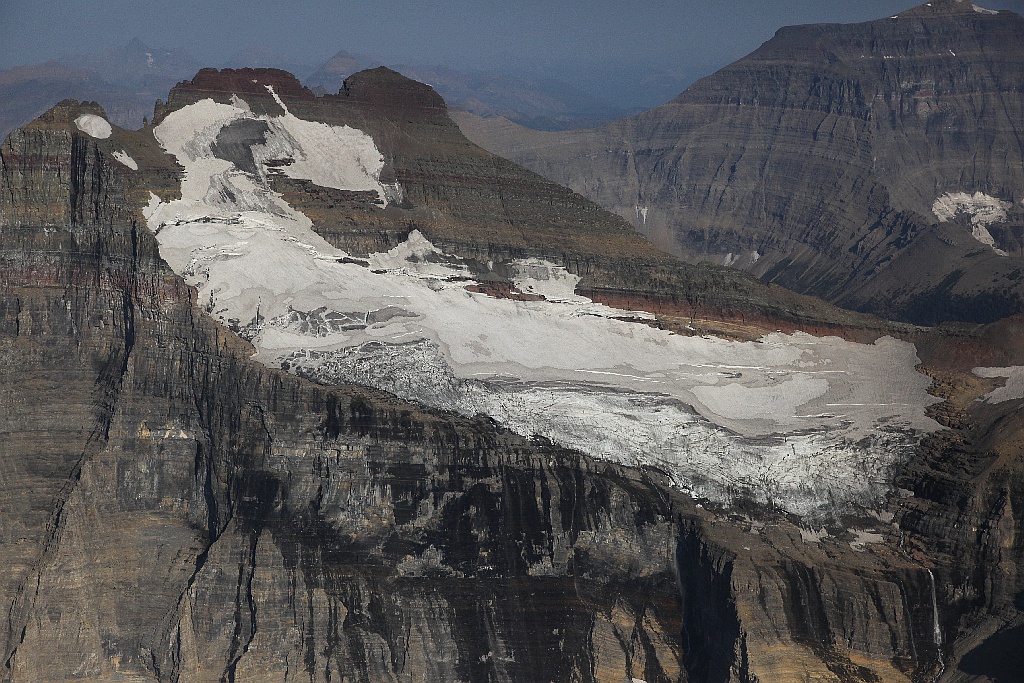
(600, 41)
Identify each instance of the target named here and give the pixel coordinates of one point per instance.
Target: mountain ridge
(228, 519)
(818, 160)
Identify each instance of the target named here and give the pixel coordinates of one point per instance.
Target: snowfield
(811, 425)
(94, 126)
(1011, 391)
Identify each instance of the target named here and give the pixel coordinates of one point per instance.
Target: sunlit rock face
(810, 425)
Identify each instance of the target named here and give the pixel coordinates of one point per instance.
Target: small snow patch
(982, 208)
(982, 10)
(864, 539)
(125, 159)
(95, 126)
(812, 536)
(1012, 390)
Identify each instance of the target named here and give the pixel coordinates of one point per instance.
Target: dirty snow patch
(125, 159)
(982, 208)
(95, 126)
(813, 536)
(982, 10)
(865, 538)
(554, 283)
(1012, 390)
(776, 402)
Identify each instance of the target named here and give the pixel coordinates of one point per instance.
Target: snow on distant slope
(1012, 390)
(982, 208)
(95, 126)
(808, 424)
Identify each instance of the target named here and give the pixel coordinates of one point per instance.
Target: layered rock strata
(173, 510)
(877, 165)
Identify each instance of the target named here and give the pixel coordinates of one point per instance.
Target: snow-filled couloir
(812, 425)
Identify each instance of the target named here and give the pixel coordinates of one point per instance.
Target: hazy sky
(595, 40)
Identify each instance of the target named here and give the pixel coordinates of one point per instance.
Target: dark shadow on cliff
(1000, 657)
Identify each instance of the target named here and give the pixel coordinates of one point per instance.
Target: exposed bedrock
(815, 162)
(171, 510)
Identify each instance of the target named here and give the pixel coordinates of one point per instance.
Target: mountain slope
(174, 508)
(838, 160)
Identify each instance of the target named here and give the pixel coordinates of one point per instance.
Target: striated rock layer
(834, 160)
(171, 510)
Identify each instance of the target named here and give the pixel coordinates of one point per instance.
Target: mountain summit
(943, 8)
(878, 165)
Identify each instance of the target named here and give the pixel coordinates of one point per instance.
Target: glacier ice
(811, 425)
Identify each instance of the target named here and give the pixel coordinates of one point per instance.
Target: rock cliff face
(172, 510)
(823, 162)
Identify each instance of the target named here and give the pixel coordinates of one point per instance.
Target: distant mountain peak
(944, 8)
(329, 76)
(247, 81)
(136, 45)
(341, 54)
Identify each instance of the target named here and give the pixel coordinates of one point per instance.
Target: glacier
(810, 425)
